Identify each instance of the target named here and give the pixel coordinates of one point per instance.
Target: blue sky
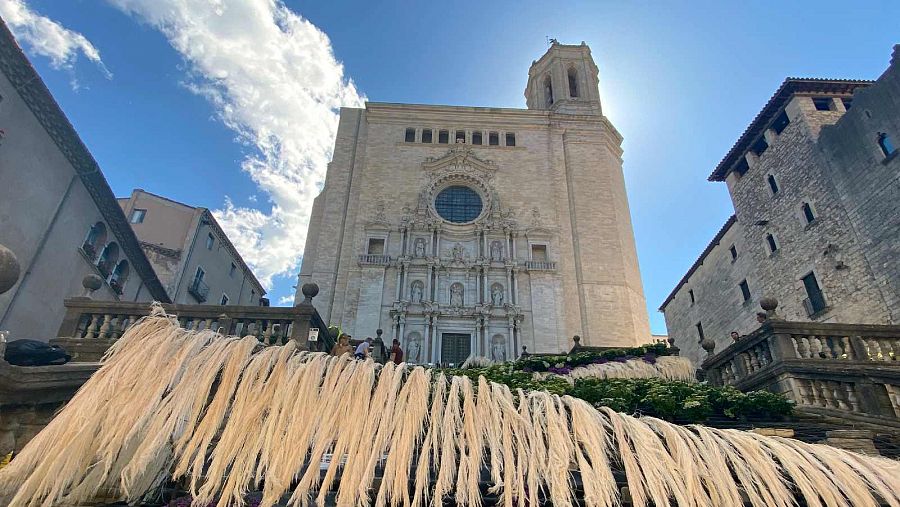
(173, 105)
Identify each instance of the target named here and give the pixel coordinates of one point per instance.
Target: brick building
(473, 230)
(815, 184)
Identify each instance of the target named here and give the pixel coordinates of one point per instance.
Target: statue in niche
(413, 347)
(420, 247)
(498, 348)
(458, 252)
(456, 295)
(415, 292)
(496, 251)
(497, 294)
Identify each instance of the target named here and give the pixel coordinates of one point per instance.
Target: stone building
(475, 231)
(57, 212)
(815, 183)
(191, 254)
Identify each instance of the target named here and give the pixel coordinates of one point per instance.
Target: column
(399, 281)
(435, 353)
(514, 288)
(509, 278)
(512, 248)
(437, 243)
(428, 296)
(508, 245)
(510, 323)
(404, 240)
(484, 247)
(402, 320)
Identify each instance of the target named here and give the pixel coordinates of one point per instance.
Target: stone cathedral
(472, 231)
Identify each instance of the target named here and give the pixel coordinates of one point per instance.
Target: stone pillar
(428, 296)
(402, 319)
(514, 288)
(435, 353)
(512, 248)
(509, 275)
(510, 325)
(399, 281)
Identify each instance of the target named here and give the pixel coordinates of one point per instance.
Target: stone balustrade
(849, 369)
(90, 327)
(376, 260)
(540, 266)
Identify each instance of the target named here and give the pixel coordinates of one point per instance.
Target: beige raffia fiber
(225, 416)
(666, 367)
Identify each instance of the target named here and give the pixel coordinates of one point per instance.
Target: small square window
(443, 137)
(733, 251)
(410, 135)
(760, 146)
(781, 122)
(376, 246)
(232, 269)
(510, 139)
(426, 136)
(494, 139)
(822, 103)
(137, 216)
(745, 290)
(539, 253)
(210, 241)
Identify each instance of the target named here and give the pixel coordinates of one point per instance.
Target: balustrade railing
(540, 266)
(830, 367)
(377, 260)
(90, 327)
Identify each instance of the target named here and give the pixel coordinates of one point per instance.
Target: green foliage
(545, 362)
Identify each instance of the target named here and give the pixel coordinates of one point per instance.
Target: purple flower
(621, 359)
(649, 358)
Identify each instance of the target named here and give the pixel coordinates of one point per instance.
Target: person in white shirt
(362, 350)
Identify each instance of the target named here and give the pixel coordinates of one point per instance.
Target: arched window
(548, 91)
(108, 258)
(119, 276)
(884, 142)
(573, 82)
(96, 238)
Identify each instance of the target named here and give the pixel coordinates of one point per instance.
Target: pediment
(459, 158)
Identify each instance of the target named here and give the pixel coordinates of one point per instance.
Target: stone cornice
(19, 71)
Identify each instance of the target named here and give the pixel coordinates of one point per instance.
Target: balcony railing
(199, 290)
(852, 369)
(90, 327)
(540, 266)
(376, 260)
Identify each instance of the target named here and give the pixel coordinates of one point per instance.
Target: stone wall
(829, 159)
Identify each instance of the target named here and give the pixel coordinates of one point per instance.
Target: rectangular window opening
(539, 253)
(444, 137)
(137, 216)
(700, 331)
(510, 139)
(691, 294)
(733, 251)
(742, 166)
(210, 241)
(426, 136)
(745, 290)
(224, 300)
(494, 139)
(773, 184)
(232, 269)
(773, 246)
(476, 138)
(760, 146)
(822, 103)
(815, 301)
(847, 101)
(376, 246)
(808, 213)
(410, 135)
(781, 122)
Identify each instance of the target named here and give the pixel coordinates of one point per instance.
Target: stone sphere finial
(91, 283)
(768, 303)
(379, 332)
(576, 339)
(309, 290)
(709, 345)
(9, 269)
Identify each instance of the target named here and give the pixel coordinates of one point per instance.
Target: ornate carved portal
(461, 274)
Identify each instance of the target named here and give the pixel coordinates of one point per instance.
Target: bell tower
(564, 80)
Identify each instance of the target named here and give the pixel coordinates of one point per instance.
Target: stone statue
(420, 247)
(416, 292)
(413, 350)
(497, 295)
(498, 349)
(456, 295)
(458, 252)
(496, 251)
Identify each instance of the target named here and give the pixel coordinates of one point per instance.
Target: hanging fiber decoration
(223, 416)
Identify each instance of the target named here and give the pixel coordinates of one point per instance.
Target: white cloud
(286, 301)
(273, 79)
(48, 38)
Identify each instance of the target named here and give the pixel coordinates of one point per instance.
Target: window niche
(426, 136)
(510, 139)
(771, 244)
(444, 137)
(807, 213)
(375, 246)
(573, 82)
(476, 138)
(773, 184)
(494, 139)
(410, 135)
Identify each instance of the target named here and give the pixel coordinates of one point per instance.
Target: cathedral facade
(468, 231)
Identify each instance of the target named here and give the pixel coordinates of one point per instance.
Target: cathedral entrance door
(455, 348)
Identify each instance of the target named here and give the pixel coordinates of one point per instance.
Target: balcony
(199, 290)
(374, 260)
(846, 370)
(540, 266)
